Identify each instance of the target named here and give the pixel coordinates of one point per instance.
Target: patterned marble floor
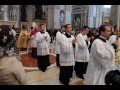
(50, 77)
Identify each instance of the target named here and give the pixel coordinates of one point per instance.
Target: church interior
(53, 17)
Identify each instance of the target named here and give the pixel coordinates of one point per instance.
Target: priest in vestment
(23, 38)
(102, 57)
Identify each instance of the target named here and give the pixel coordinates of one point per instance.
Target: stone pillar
(68, 14)
(113, 15)
(99, 11)
(17, 25)
(118, 17)
(57, 16)
(91, 15)
(50, 16)
(5, 13)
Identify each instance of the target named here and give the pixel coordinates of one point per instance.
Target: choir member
(42, 41)
(66, 57)
(58, 37)
(82, 52)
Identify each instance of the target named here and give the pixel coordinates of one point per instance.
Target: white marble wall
(68, 14)
(99, 10)
(114, 15)
(57, 16)
(54, 15)
(91, 15)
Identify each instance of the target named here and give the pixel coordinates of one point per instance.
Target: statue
(23, 13)
(44, 12)
(38, 12)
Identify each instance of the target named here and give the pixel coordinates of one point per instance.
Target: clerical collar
(42, 32)
(61, 32)
(68, 35)
(83, 33)
(102, 38)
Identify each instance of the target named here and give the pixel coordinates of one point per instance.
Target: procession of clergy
(91, 61)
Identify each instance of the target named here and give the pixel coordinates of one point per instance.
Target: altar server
(66, 55)
(82, 52)
(57, 47)
(42, 41)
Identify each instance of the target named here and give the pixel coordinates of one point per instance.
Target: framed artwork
(62, 17)
(77, 21)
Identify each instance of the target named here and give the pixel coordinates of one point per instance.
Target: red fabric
(33, 32)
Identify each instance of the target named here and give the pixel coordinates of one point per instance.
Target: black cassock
(43, 61)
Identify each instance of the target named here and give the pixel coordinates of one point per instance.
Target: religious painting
(62, 17)
(106, 20)
(76, 21)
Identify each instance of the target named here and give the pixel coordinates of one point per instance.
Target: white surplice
(101, 61)
(42, 44)
(81, 52)
(112, 39)
(66, 51)
(58, 38)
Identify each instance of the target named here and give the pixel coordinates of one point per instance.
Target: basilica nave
(53, 17)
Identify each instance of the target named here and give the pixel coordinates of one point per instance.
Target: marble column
(115, 15)
(17, 15)
(50, 18)
(68, 14)
(118, 17)
(91, 15)
(5, 13)
(57, 16)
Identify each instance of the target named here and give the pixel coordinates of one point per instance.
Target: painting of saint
(62, 16)
(76, 21)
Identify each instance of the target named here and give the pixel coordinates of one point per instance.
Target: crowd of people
(88, 52)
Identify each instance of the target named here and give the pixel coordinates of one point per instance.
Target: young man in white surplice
(67, 43)
(57, 47)
(102, 56)
(82, 52)
(42, 41)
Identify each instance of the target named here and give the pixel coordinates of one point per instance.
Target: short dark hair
(102, 28)
(42, 24)
(23, 27)
(5, 32)
(62, 26)
(66, 26)
(112, 77)
(84, 27)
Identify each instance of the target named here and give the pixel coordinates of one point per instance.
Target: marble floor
(50, 77)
